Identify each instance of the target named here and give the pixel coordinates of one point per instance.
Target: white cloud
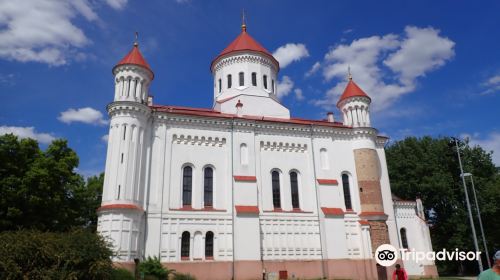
(45, 31)
(375, 62)
(85, 115)
(289, 53)
(117, 4)
(490, 143)
(492, 85)
(316, 66)
(105, 138)
(27, 132)
(299, 95)
(285, 86)
(347, 31)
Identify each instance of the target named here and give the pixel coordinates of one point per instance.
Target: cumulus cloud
(316, 66)
(385, 67)
(285, 86)
(289, 53)
(489, 143)
(27, 132)
(85, 115)
(299, 95)
(46, 31)
(492, 85)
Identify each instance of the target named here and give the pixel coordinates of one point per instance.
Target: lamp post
(468, 204)
(479, 217)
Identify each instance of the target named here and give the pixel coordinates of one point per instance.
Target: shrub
(121, 274)
(77, 254)
(153, 267)
(181, 276)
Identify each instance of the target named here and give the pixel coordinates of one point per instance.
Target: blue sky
(431, 67)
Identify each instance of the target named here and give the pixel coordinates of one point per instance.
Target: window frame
(276, 188)
(229, 81)
(208, 189)
(241, 79)
(185, 245)
(294, 190)
(209, 246)
(187, 200)
(346, 187)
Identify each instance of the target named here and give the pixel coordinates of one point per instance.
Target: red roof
(332, 211)
(327, 182)
(352, 90)
(245, 178)
(245, 42)
(246, 209)
(135, 57)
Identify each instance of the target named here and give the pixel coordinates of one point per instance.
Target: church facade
(243, 188)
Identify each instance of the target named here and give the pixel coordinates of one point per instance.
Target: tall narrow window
(187, 185)
(323, 155)
(254, 79)
(294, 184)
(185, 245)
(243, 154)
(347, 191)
(208, 186)
(119, 190)
(229, 81)
(124, 131)
(264, 80)
(272, 84)
(209, 245)
(276, 189)
(121, 159)
(242, 79)
(220, 85)
(404, 239)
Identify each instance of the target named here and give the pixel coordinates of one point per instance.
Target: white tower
(246, 71)
(121, 215)
(354, 104)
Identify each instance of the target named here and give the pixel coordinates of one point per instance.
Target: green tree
(41, 190)
(428, 168)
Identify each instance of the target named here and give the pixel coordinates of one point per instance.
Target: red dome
(134, 57)
(245, 42)
(352, 90)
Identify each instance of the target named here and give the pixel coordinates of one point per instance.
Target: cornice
(117, 108)
(242, 58)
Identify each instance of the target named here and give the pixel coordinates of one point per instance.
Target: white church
(243, 190)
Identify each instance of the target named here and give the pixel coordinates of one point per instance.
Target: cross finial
(349, 75)
(136, 43)
(243, 21)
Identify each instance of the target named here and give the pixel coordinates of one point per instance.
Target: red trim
(364, 222)
(332, 211)
(119, 206)
(209, 258)
(245, 178)
(247, 209)
(202, 112)
(372, 214)
(350, 211)
(327, 182)
(184, 258)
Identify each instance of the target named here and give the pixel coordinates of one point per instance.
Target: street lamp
(479, 217)
(468, 204)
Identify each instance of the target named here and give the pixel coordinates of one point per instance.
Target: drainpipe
(232, 192)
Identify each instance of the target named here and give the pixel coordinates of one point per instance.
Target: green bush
(152, 267)
(181, 276)
(77, 254)
(121, 274)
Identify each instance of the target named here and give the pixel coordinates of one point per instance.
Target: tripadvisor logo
(387, 255)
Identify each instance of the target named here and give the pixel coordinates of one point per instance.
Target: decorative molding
(120, 206)
(244, 58)
(333, 211)
(282, 147)
(246, 209)
(198, 140)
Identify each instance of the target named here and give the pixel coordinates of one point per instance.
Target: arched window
(294, 185)
(323, 155)
(185, 245)
(404, 239)
(209, 245)
(187, 185)
(208, 186)
(264, 79)
(276, 189)
(243, 154)
(242, 79)
(220, 85)
(229, 81)
(254, 79)
(347, 191)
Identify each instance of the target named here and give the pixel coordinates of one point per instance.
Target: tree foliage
(41, 190)
(79, 254)
(428, 168)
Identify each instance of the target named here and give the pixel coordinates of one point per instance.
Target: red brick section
(332, 211)
(378, 234)
(245, 178)
(120, 206)
(364, 222)
(246, 209)
(328, 182)
(371, 196)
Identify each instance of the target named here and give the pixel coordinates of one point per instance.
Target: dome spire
(136, 41)
(243, 21)
(349, 75)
